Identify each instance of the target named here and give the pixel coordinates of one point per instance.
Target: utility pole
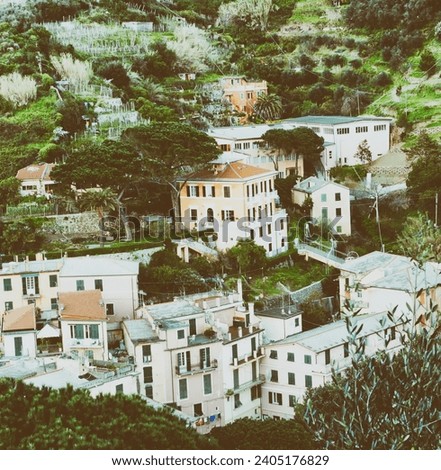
(436, 209)
(377, 217)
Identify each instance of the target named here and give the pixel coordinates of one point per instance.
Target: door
(18, 345)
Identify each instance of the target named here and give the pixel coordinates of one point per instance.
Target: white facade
(306, 360)
(330, 201)
(35, 180)
(342, 135)
(236, 202)
(20, 343)
(29, 281)
(117, 280)
(200, 354)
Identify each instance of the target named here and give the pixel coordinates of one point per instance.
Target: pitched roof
(18, 319)
(312, 184)
(373, 260)
(98, 266)
(31, 266)
(334, 334)
(40, 171)
(140, 331)
(82, 305)
(229, 172)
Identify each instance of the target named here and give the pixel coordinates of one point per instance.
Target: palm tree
(99, 200)
(268, 107)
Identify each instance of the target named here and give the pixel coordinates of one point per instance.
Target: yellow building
(237, 202)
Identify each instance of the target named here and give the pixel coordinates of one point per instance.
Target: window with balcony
(146, 353)
(93, 331)
(237, 402)
(7, 284)
(204, 358)
(183, 360)
(30, 285)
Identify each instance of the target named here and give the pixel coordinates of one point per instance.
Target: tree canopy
(69, 419)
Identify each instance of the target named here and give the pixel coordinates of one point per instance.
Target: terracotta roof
(82, 305)
(229, 171)
(40, 171)
(22, 318)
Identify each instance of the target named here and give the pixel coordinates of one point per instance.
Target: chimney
(239, 289)
(251, 308)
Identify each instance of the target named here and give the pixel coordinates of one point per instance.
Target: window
(346, 350)
(274, 376)
(343, 130)
(183, 392)
(237, 401)
(193, 214)
(99, 284)
(291, 378)
(270, 247)
(119, 388)
(9, 306)
(296, 322)
(7, 284)
(339, 229)
(292, 400)
(338, 196)
(197, 409)
(256, 392)
(80, 284)
(54, 303)
(308, 359)
(328, 356)
(236, 379)
(78, 331)
(208, 191)
(361, 129)
(227, 215)
(147, 353)
(323, 197)
(273, 354)
(94, 332)
(308, 381)
(338, 212)
(149, 391)
(227, 191)
(392, 333)
(192, 326)
(234, 351)
(181, 334)
(380, 127)
(30, 285)
(324, 213)
(268, 229)
(110, 309)
(207, 385)
(246, 145)
(275, 398)
(204, 358)
(184, 361)
(290, 357)
(53, 280)
(192, 191)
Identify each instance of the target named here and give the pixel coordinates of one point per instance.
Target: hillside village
(191, 233)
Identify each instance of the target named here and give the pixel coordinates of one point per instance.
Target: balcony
(237, 332)
(245, 358)
(85, 343)
(196, 368)
(259, 380)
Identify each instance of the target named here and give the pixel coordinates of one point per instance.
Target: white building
(330, 202)
(19, 332)
(84, 324)
(35, 180)
(342, 135)
(383, 281)
(116, 279)
(236, 202)
(201, 354)
(306, 360)
(27, 282)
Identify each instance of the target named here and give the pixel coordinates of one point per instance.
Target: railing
(196, 368)
(260, 379)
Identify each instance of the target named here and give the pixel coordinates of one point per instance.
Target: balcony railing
(196, 368)
(260, 379)
(86, 343)
(240, 360)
